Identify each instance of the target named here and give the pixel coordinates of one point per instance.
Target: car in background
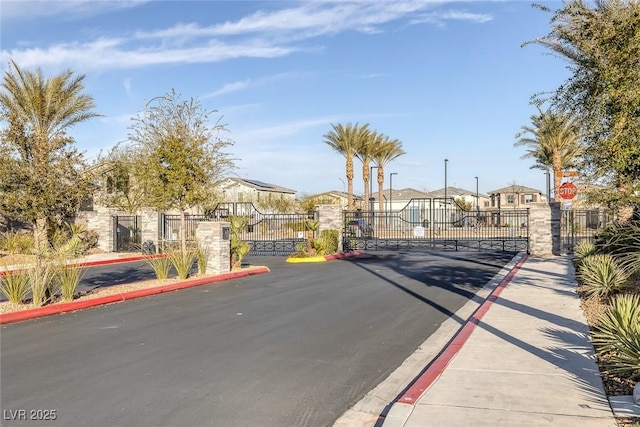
(359, 228)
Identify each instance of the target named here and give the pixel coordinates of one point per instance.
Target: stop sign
(568, 191)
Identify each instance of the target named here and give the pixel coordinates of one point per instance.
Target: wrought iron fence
(439, 224)
(126, 233)
(582, 224)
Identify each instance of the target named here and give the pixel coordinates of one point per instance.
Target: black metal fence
(582, 224)
(266, 233)
(439, 224)
(126, 233)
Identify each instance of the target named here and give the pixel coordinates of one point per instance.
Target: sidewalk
(526, 360)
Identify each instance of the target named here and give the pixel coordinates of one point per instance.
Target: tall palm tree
(553, 141)
(365, 151)
(346, 140)
(39, 111)
(386, 150)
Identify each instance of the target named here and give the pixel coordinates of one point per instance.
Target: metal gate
(266, 233)
(126, 234)
(438, 224)
(581, 224)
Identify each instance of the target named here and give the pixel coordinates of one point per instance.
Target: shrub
(327, 243)
(16, 242)
(202, 257)
(618, 335)
(583, 249)
(160, 265)
(602, 275)
(14, 286)
(40, 277)
(182, 261)
(67, 278)
(619, 238)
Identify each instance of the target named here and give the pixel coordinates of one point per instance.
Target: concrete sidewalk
(526, 361)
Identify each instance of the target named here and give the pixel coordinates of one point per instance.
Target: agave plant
(182, 261)
(583, 249)
(618, 335)
(602, 275)
(14, 286)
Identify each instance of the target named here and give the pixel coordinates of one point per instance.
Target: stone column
(101, 221)
(544, 228)
(216, 238)
(330, 218)
(149, 228)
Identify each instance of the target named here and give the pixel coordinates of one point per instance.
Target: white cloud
(229, 87)
(69, 9)
(244, 84)
(439, 18)
(127, 85)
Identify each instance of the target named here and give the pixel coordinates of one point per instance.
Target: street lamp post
(391, 190)
(548, 174)
(343, 185)
(477, 196)
(445, 189)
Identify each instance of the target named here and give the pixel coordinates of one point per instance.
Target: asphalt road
(295, 347)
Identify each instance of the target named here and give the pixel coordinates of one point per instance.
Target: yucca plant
(40, 277)
(68, 278)
(602, 275)
(16, 242)
(618, 335)
(14, 286)
(160, 265)
(182, 261)
(311, 226)
(583, 249)
(202, 257)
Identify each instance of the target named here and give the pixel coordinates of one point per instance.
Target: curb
(108, 299)
(101, 262)
(324, 258)
(437, 367)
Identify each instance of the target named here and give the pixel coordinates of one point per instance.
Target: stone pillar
(216, 238)
(101, 221)
(330, 218)
(544, 228)
(149, 228)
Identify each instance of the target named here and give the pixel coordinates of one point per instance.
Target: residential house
(514, 196)
(333, 198)
(470, 198)
(252, 190)
(397, 200)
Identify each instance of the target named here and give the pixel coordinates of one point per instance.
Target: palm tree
(39, 111)
(553, 141)
(346, 140)
(365, 151)
(386, 150)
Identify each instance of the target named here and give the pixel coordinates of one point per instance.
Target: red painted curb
(108, 299)
(102, 262)
(437, 367)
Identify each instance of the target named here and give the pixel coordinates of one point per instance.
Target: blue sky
(447, 78)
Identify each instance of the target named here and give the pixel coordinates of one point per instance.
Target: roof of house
(261, 185)
(515, 189)
(403, 194)
(453, 192)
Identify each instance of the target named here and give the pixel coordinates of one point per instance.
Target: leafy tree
(346, 140)
(41, 172)
(386, 150)
(182, 155)
(601, 43)
(553, 141)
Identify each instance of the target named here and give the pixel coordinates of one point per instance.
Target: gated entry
(126, 233)
(266, 233)
(582, 224)
(439, 224)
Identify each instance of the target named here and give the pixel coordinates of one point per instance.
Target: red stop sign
(568, 191)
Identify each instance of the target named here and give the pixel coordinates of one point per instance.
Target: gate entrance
(581, 224)
(437, 224)
(126, 233)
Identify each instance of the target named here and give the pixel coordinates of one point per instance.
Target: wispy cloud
(439, 18)
(127, 85)
(247, 83)
(263, 34)
(69, 9)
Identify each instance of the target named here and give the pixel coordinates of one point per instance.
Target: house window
(528, 198)
(511, 199)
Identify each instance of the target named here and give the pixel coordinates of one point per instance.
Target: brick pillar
(212, 236)
(149, 227)
(544, 228)
(331, 218)
(101, 221)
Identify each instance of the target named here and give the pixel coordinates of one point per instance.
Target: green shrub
(202, 258)
(16, 242)
(160, 265)
(602, 275)
(182, 261)
(619, 238)
(40, 277)
(583, 249)
(327, 242)
(67, 278)
(618, 335)
(14, 286)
